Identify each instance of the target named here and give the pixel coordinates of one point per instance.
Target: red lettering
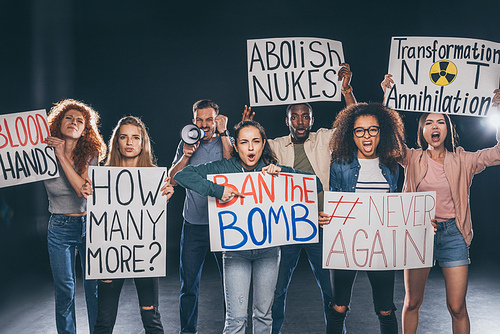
(306, 191)
(377, 240)
(262, 184)
(287, 176)
(21, 120)
(421, 256)
(300, 191)
(376, 209)
(359, 249)
(415, 211)
(343, 251)
(403, 211)
(389, 212)
(349, 214)
(226, 184)
(429, 211)
(32, 119)
(41, 119)
(8, 133)
(248, 179)
(394, 248)
(4, 137)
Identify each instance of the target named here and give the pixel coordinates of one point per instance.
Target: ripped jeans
(259, 266)
(109, 296)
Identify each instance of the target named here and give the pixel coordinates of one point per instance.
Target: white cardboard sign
(275, 211)
(293, 70)
(456, 76)
(24, 154)
(126, 223)
(379, 231)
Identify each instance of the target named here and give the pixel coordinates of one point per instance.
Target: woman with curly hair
(130, 146)
(77, 144)
(366, 146)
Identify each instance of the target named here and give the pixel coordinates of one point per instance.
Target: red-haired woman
(77, 144)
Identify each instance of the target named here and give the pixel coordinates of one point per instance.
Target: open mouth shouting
(251, 157)
(301, 131)
(435, 136)
(368, 146)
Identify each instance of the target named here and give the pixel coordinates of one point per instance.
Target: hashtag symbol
(345, 202)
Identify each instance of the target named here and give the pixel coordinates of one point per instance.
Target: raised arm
(227, 146)
(387, 83)
(345, 75)
(195, 178)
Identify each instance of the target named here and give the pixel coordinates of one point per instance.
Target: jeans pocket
(58, 221)
(452, 229)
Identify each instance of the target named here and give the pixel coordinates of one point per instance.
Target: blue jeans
(450, 249)
(260, 266)
(195, 243)
(66, 234)
(289, 259)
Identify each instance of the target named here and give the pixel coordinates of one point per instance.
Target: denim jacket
(343, 176)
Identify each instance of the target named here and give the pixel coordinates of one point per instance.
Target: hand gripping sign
(379, 231)
(275, 211)
(126, 223)
(449, 75)
(293, 70)
(24, 154)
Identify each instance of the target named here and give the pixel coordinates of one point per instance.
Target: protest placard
(448, 75)
(293, 70)
(275, 211)
(24, 154)
(126, 223)
(379, 231)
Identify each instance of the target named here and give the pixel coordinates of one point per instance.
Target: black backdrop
(155, 58)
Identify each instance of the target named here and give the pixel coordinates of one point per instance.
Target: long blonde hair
(146, 157)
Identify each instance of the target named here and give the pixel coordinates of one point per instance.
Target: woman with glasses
(366, 146)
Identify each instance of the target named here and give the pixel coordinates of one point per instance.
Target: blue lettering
(296, 220)
(276, 217)
(250, 226)
(232, 227)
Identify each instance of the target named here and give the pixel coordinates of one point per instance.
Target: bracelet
(347, 91)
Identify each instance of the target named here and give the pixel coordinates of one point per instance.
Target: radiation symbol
(443, 72)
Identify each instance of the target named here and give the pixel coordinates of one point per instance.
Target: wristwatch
(224, 134)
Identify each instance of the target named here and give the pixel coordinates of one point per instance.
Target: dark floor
(28, 305)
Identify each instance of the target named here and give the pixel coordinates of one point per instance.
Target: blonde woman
(130, 146)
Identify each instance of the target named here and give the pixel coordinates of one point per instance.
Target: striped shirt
(370, 179)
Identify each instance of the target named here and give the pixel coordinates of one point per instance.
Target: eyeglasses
(372, 131)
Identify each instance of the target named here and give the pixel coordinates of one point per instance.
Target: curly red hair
(90, 143)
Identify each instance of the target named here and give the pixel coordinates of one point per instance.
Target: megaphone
(191, 134)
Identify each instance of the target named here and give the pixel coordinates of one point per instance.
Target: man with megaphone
(206, 141)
